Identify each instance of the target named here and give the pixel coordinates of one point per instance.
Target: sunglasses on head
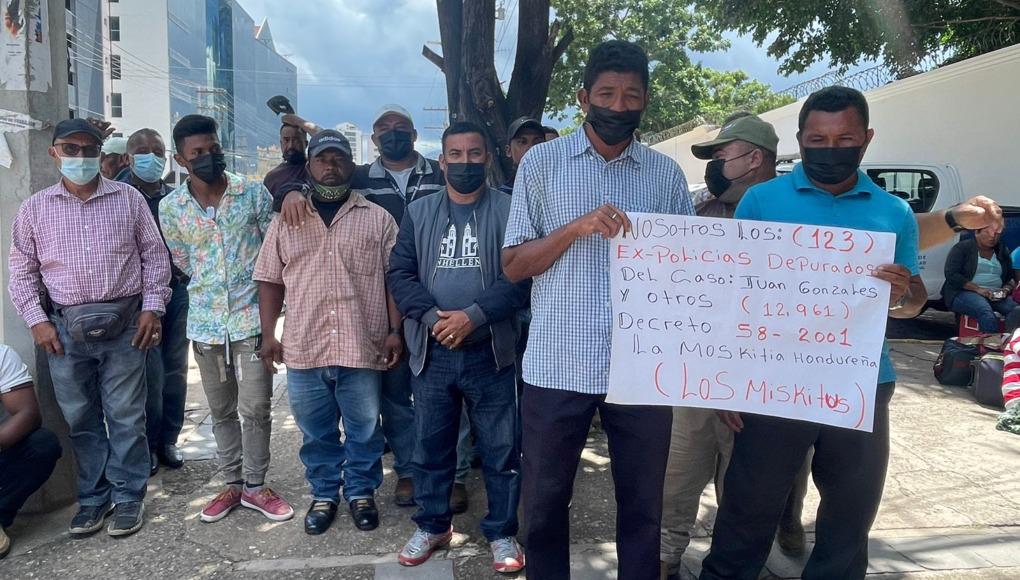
(73, 150)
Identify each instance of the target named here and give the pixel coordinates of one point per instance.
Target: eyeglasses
(73, 150)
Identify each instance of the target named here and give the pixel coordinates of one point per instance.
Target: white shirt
(401, 177)
(13, 372)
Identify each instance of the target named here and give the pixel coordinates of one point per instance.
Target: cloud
(354, 56)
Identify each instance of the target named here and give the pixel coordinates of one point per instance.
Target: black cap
(328, 139)
(523, 123)
(71, 126)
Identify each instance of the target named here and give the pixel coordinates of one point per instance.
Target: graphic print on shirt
(467, 257)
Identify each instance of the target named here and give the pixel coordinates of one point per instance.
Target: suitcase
(987, 386)
(954, 366)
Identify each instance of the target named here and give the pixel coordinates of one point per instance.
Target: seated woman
(979, 279)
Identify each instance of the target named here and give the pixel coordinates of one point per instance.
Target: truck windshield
(917, 187)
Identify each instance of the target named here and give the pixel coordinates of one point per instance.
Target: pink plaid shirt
(336, 285)
(98, 250)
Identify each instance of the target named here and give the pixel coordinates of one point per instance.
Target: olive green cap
(749, 128)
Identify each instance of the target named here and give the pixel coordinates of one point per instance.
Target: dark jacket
(413, 265)
(376, 184)
(961, 266)
(177, 275)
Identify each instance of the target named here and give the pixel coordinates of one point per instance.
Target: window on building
(115, 28)
(116, 105)
(115, 67)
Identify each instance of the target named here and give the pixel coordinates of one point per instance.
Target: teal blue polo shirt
(792, 198)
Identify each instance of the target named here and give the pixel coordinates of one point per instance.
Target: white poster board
(760, 317)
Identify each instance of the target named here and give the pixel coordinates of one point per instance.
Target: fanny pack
(100, 321)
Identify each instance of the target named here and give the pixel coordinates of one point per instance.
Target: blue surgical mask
(148, 167)
(79, 170)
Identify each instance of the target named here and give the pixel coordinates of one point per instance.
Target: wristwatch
(951, 220)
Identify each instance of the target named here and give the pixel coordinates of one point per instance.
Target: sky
(353, 56)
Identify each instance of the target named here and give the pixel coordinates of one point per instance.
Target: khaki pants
(699, 450)
(242, 388)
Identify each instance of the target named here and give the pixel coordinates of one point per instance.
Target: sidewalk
(951, 510)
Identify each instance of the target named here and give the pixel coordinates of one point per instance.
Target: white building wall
(144, 85)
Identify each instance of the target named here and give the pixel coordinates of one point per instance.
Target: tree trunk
(467, 31)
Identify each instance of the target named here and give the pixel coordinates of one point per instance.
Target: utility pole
(27, 99)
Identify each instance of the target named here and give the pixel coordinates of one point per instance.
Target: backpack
(953, 366)
(987, 387)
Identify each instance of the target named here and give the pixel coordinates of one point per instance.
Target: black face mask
(396, 144)
(465, 178)
(294, 156)
(831, 165)
(209, 167)
(718, 183)
(611, 126)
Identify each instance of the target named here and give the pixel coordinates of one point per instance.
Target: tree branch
(433, 57)
(1008, 4)
(946, 23)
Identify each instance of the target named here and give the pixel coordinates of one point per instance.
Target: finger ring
(614, 216)
(155, 336)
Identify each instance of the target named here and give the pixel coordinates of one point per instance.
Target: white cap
(392, 110)
(115, 146)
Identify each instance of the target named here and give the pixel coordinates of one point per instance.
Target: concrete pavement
(951, 510)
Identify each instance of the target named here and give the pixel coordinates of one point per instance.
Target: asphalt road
(932, 325)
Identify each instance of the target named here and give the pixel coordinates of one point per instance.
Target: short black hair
(191, 125)
(142, 134)
(833, 100)
(548, 129)
(462, 128)
(285, 125)
(616, 56)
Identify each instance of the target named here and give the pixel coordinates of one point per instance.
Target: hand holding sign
(749, 316)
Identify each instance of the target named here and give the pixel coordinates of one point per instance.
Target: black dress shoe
(365, 514)
(319, 517)
(153, 463)
(171, 456)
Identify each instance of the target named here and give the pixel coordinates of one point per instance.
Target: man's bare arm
(976, 213)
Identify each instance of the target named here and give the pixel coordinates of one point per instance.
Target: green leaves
(902, 33)
(669, 31)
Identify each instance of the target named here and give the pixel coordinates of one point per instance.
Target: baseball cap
(523, 123)
(328, 139)
(69, 127)
(115, 146)
(392, 110)
(750, 129)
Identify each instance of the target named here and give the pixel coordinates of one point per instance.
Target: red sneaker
(421, 545)
(507, 555)
(222, 504)
(266, 501)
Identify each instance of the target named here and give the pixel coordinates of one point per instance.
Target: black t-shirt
(327, 209)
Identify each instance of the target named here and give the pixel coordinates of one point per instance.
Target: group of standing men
(405, 283)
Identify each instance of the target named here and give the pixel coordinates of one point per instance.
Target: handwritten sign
(760, 317)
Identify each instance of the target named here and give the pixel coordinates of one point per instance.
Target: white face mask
(79, 170)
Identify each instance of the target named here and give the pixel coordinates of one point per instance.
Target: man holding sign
(827, 189)
(569, 199)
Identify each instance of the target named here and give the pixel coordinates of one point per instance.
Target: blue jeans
(398, 415)
(465, 450)
(94, 381)
(979, 307)
(450, 379)
(318, 399)
(24, 467)
(166, 374)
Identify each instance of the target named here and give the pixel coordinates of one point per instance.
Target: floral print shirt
(218, 249)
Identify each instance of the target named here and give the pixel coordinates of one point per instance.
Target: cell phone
(280, 105)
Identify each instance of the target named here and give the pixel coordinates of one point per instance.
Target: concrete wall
(965, 114)
(31, 171)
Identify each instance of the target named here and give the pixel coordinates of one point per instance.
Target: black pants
(555, 426)
(849, 471)
(23, 469)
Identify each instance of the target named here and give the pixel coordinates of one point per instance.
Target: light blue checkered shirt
(557, 182)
